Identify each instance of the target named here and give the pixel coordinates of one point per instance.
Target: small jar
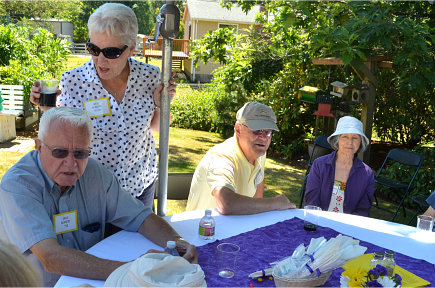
(389, 262)
(378, 258)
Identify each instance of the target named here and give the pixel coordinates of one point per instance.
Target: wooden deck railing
(180, 49)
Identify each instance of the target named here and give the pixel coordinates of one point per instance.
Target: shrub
(194, 109)
(26, 56)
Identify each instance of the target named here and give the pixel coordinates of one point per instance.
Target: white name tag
(65, 222)
(97, 107)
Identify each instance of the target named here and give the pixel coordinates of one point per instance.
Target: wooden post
(368, 108)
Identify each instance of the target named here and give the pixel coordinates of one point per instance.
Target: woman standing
(122, 97)
(340, 182)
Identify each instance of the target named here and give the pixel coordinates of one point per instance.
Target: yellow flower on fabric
(356, 276)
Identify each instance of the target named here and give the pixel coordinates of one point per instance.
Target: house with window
(202, 16)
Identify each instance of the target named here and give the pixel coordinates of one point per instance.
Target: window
(231, 26)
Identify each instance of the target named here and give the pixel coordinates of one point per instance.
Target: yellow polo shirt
(224, 165)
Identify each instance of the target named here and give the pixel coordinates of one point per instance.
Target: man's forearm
(71, 262)
(230, 203)
(155, 223)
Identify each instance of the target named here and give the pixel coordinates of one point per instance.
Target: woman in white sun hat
(340, 182)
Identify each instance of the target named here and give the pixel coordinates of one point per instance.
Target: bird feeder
(324, 105)
(360, 94)
(309, 94)
(340, 89)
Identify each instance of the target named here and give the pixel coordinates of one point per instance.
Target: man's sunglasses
(60, 153)
(108, 52)
(268, 132)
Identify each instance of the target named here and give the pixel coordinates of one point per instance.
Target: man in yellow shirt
(230, 177)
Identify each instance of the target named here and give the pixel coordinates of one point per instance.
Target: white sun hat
(157, 270)
(350, 125)
(257, 116)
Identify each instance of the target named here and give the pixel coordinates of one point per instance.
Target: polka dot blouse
(122, 141)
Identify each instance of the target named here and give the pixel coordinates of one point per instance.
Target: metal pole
(164, 127)
(169, 30)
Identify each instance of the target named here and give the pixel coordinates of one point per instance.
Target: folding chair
(319, 142)
(178, 186)
(408, 161)
(421, 206)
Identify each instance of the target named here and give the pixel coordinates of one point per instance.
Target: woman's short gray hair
(68, 115)
(333, 141)
(115, 19)
(16, 270)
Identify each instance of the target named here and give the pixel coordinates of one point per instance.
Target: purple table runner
(261, 246)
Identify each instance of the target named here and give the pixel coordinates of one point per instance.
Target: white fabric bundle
(157, 270)
(320, 256)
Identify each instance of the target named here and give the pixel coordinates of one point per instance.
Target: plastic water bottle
(207, 226)
(170, 248)
(389, 262)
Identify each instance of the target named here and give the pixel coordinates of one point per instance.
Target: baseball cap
(257, 116)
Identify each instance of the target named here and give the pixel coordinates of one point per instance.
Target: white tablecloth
(127, 246)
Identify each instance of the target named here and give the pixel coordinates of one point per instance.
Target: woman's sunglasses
(108, 52)
(60, 153)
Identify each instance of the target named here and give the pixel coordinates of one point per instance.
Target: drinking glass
(48, 92)
(311, 217)
(424, 223)
(227, 256)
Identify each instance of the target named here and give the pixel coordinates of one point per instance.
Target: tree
(142, 9)
(75, 11)
(21, 11)
(276, 61)
(59, 9)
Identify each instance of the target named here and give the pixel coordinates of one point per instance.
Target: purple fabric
(261, 246)
(359, 191)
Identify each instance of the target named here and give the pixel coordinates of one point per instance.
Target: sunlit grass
(75, 61)
(9, 158)
(187, 147)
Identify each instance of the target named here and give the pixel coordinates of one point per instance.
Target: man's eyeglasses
(108, 52)
(268, 132)
(60, 153)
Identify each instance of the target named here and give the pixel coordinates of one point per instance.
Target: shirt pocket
(91, 238)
